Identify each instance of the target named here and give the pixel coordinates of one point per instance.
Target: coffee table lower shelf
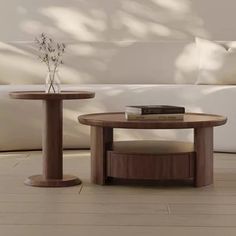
(151, 160)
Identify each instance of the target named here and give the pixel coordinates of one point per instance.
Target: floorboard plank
(73, 230)
(113, 210)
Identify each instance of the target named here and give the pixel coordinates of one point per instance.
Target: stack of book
(154, 112)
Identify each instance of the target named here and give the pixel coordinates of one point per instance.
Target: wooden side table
(152, 160)
(52, 140)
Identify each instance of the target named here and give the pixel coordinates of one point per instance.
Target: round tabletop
(117, 120)
(41, 95)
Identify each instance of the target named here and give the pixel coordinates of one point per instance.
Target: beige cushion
(217, 62)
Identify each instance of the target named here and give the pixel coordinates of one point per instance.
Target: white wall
(113, 41)
(115, 20)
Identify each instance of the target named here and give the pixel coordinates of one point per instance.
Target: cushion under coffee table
(151, 159)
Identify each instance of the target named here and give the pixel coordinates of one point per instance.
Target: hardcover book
(132, 116)
(154, 109)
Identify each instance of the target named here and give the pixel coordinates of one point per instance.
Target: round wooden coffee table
(52, 137)
(151, 159)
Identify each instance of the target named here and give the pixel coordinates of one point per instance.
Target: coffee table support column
(52, 140)
(101, 140)
(203, 144)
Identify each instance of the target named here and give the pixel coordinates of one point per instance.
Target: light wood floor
(112, 210)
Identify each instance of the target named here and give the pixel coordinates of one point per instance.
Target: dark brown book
(154, 109)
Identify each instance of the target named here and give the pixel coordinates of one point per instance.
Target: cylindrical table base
(40, 181)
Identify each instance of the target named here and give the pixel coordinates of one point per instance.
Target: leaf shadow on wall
(108, 41)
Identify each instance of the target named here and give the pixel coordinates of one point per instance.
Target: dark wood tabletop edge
(41, 95)
(187, 113)
(83, 119)
(190, 113)
(153, 125)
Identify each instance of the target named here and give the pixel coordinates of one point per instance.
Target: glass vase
(52, 83)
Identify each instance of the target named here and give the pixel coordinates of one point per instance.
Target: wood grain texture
(160, 167)
(117, 120)
(52, 140)
(52, 136)
(40, 181)
(135, 165)
(203, 145)
(41, 95)
(101, 141)
(151, 164)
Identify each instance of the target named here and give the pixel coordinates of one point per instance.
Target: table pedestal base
(40, 181)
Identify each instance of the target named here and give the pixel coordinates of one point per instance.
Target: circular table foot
(40, 181)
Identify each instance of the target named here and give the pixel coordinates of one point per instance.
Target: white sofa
(120, 75)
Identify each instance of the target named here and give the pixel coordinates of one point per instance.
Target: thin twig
(51, 54)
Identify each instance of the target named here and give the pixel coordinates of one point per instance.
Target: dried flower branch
(50, 53)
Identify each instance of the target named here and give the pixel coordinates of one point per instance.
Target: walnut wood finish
(39, 181)
(203, 145)
(40, 95)
(144, 163)
(52, 141)
(117, 120)
(101, 141)
(148, 162)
